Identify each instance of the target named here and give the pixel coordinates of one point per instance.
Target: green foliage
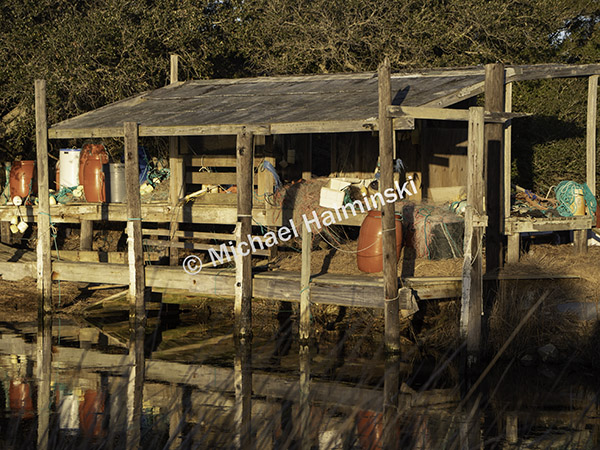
(95, 52)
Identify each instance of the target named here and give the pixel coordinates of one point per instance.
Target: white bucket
(69, 167)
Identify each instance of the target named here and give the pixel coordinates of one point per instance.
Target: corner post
(472, 272)
(494, 137)
(388, 210)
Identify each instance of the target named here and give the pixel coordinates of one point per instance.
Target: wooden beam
(243, 285)
(472, 284)
(223, 178)
(546, 71)
(224, 213)
(242, 373)
(420, 112)
(193, 246)
(137, 288)
(215, 160)
(100, 257)
(44, 262)
(532, 225)
(388, 219)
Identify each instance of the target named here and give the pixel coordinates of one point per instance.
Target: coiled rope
(567, 193)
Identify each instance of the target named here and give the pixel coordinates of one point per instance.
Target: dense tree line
(93, 52)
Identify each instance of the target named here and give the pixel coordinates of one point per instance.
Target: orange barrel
(369, 256)
(91, 413)
(22, 178)
(91, 174)
(369, 428)
(19, 393)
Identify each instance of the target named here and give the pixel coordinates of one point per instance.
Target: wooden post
(305, 286)
(304, 329)
(6, 235)
(243, 394)
(472, 285)
(513, 240)
(388, 220)
(494, 136)
(176, 178)
(137, 289)
(44, 263)
(513, 248)
(86, 236)
(243, 266)
(581, 236)
(174, 75)
(512, 428)
(305, 148)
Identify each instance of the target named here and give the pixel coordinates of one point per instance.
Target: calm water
(201, 391)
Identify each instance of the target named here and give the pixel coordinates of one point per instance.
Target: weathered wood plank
(531, 225)
(222, 178)
(159, 212)
(194, 246)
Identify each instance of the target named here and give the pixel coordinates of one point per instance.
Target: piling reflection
(43, 375)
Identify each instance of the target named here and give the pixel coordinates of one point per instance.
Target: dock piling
(243, 263)
(388, 210)
(137, 288)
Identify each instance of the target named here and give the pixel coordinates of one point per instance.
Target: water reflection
(91, 398)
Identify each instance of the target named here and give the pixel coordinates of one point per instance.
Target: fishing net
(435, 232)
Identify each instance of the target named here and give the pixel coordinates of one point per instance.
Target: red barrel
(369, 256)
(91, 413)
(369, 428)
(19, 393)
(91, 174)
(22, 179)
